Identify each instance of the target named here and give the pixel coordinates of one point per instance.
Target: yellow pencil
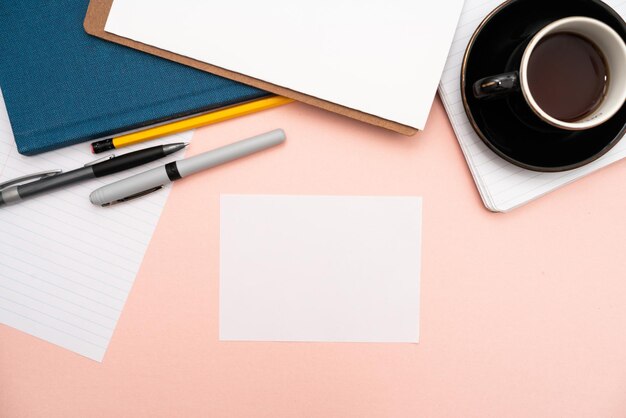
(189, 123)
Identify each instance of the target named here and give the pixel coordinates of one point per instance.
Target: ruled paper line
(52, 328)
(104, 337)
(57, 308)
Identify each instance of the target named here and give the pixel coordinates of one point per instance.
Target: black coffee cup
(538, 103)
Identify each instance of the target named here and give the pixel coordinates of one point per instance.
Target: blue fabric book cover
(62, 86)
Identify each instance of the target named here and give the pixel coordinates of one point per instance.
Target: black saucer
(549, 149)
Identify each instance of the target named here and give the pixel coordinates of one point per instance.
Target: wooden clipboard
(98, 12)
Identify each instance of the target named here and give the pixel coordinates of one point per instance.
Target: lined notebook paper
(66, 266)
(503, 186)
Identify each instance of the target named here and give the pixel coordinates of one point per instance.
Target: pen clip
(133, 196)
(29, 178)
(99, 160)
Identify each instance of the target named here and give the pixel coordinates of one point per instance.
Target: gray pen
(153, 180)
(16, 190)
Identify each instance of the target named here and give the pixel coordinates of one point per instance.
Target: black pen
(16, 190)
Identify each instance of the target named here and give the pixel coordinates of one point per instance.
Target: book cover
(62, 86)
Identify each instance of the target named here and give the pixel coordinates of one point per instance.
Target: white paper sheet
(503, 186)
(320, 268)
(380, 57)
(66, 266)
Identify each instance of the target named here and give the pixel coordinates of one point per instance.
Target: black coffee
(567, 76)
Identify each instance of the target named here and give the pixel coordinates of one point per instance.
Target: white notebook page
(66, 266)
(503, 186)
(380, 57)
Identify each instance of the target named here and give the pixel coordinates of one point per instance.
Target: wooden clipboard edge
(95, 20)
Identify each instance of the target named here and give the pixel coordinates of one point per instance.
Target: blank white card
(320, 268)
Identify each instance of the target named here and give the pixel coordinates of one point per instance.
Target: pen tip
(186, 144)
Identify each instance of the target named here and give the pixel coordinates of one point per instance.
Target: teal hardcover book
(62, 86)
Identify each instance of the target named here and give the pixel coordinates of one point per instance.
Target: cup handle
(496, 86)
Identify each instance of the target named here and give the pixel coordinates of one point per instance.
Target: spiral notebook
(502, 185)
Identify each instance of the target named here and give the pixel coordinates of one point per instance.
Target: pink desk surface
(523, 315)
